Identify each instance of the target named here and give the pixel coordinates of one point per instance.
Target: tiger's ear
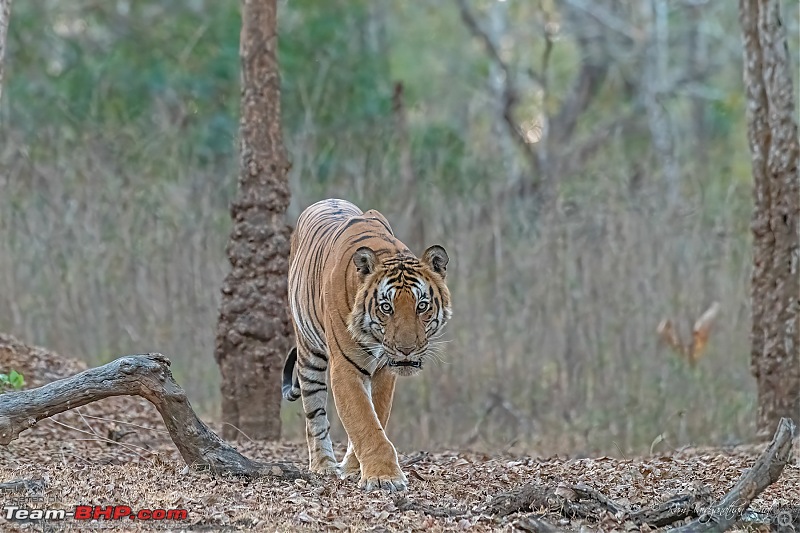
(365, 260)
(436, 258)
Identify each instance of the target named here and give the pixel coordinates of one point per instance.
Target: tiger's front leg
(373, 450)
(383, 382)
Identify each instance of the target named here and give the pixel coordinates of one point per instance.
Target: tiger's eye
(422, 307)
(386, 308)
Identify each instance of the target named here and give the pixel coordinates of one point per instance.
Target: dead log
(766, 471)
(147, 376)
(678, 508)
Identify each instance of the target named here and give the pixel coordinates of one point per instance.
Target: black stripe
(356, 365)
(353, 221)
(313, 382)
(316, 412)
(361, 239)
(324, 434)
(312, 366)
(350, 360)
(308, 392)
(382, 223)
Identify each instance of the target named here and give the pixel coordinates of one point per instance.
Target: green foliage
(11, 381)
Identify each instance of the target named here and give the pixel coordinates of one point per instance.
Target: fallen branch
(19, 485)
(673, 510)
(765, 472)
(569, 501)
(535, 525)
(404, 504)
(147, 376)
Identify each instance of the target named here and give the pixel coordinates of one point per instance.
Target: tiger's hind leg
(311, 370)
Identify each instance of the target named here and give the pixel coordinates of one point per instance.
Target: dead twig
(404, 504)
(535, 525)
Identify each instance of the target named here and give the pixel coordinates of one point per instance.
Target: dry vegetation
(114, 221)
(114, 452)
(561, 329)
(116, 182)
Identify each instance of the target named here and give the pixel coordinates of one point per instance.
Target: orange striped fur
(365, 310)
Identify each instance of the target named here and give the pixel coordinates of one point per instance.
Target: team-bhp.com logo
(93, 512)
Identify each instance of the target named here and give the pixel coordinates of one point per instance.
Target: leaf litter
(116, 452)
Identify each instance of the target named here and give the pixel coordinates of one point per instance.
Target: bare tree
(543, 141)
(654, 83)
(5, 15)
(772, 135)
(254, 330)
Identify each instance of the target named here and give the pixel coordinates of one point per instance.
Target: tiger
(365, 310)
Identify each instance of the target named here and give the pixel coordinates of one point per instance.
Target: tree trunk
(253, 333)
(772, 135)
(5, 15)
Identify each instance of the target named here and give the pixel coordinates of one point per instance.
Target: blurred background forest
(623, 198)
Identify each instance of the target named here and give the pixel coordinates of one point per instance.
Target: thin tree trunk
(5, 16)
(414, 215)
(654, 81)
(254, 330)
(772, 134)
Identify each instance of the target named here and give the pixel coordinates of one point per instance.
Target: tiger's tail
(291, 387)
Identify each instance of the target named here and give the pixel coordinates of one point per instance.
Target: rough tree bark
(772, 135)
(5, 16)
(253, 333)
(414, 213)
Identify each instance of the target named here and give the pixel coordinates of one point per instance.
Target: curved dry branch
(765, 472)
(147, 376)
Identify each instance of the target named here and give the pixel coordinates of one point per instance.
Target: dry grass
(552, 346)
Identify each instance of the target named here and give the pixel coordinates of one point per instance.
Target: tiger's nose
(405, 350)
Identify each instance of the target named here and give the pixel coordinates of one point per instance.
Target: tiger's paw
(393, 482)
(325, 467)
(349, 466)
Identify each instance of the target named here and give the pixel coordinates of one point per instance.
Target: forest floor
(116, 452)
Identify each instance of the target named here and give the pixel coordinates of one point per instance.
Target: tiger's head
(401, 304)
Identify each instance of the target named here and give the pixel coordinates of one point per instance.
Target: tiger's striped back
(311, 248)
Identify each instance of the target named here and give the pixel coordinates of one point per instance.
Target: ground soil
(116, 452)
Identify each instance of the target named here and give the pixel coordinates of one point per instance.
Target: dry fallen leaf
(84, 472)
